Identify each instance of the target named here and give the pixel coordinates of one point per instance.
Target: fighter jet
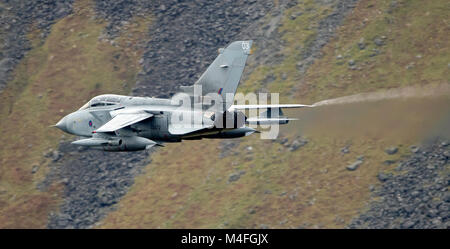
(204, 110)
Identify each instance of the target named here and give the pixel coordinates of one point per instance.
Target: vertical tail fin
(223, 75)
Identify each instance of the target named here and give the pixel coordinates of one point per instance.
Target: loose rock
(354, 165)
(391, 150)
(383, 177)
(298, 143)
(235, 176)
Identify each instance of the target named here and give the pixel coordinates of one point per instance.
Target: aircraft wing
(121, 120)
(246, 107)
(273, 114)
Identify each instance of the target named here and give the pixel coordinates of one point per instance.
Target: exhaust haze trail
(396, 115)
(395, 93)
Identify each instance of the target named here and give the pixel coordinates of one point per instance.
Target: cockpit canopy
(103, 100)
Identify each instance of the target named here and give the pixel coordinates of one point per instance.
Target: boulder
(354, 165)
(391, 150)
(383, 177)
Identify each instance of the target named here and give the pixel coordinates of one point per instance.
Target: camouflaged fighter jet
(126, 123)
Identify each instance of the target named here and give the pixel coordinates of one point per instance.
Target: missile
(97, 142)
(239, 132)
(132, 143)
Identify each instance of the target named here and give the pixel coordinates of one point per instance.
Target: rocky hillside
(343, 166)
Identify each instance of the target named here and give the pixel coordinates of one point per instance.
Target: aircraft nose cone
(62, 124)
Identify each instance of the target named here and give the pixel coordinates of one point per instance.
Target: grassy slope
(416, 50)
(297, 34)
(71, 64)
(186, 185)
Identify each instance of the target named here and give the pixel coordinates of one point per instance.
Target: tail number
(245, 45)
